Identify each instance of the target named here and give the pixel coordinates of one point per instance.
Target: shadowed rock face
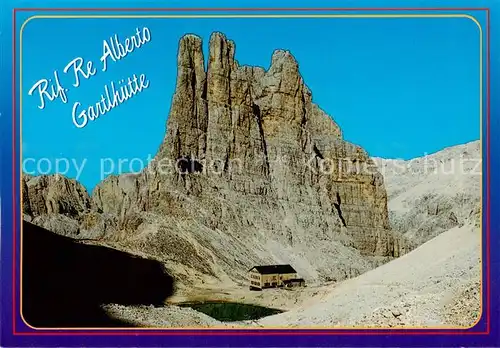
(65, 283)
(274, 180)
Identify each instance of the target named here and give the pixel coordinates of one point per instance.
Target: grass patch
(231, 311)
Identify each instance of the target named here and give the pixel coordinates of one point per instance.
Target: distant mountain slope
(437, 284)
(431, 194)
(435, 201)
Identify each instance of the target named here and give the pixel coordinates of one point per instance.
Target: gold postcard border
(466, 16)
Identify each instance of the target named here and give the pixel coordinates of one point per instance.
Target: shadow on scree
(65, 282)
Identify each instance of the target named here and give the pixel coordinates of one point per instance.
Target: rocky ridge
(437, 284)
(434, 193)
(251, 171)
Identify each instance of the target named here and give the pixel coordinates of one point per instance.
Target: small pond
(231, 311)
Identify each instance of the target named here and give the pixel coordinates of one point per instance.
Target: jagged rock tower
(269, 179)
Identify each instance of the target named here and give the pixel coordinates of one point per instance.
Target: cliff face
(251, 171)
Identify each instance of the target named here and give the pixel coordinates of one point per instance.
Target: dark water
(231, 311)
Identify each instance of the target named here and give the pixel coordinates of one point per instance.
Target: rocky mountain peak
(283, 61)
(266, 178)
(226, 104)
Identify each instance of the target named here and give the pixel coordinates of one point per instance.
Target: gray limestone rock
(251, 171)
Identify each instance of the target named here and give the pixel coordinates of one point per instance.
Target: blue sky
(397, 87)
